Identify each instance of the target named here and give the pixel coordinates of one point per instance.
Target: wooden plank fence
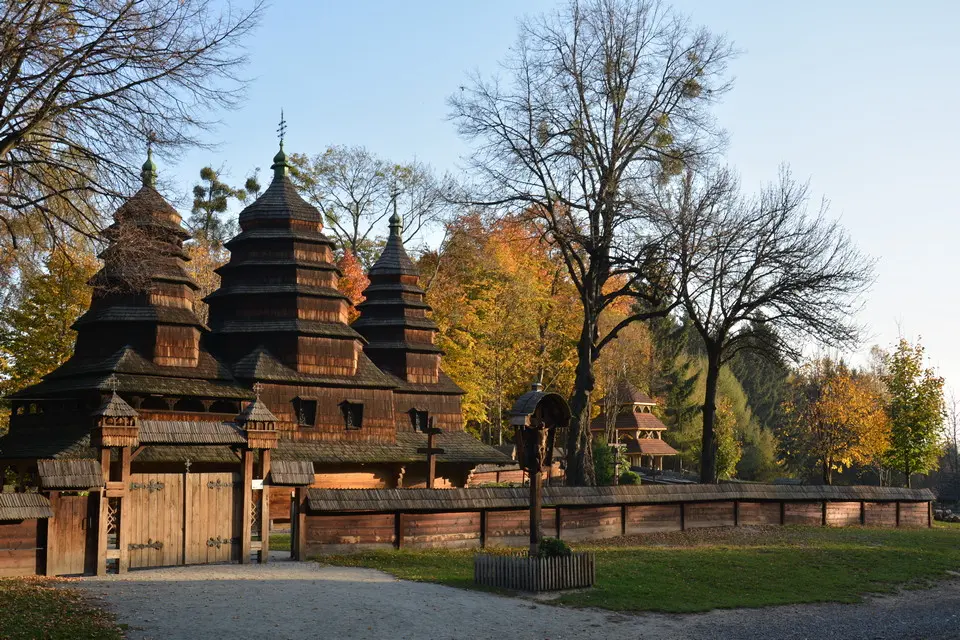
(522, 573)
(344, 520)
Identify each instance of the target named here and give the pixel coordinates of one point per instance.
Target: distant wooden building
(636, 428)
(199, 435)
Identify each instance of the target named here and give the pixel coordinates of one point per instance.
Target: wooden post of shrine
(432, 453)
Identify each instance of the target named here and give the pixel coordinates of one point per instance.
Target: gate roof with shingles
(24, 506)
(291, 472)
(381, 500)
(70, 474)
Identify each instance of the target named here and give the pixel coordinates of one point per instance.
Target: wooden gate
(180, 518)
(213, 507)
(71, 535)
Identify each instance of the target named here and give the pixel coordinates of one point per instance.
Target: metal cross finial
(282, 129)
(112, 383)
(257, 388)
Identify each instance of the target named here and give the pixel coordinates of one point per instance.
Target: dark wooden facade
(170, 412)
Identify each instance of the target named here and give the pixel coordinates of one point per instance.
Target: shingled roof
(189, 432)
(389, 500)
(458, 446)
(291, 472)
(24, 506)
(115, 407)
(70, 474)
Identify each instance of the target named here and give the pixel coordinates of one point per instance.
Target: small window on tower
(352, 414)
(419, 419)
(306, 412)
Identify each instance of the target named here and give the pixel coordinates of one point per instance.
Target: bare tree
(82, 84)
(758, 262)
(601, 99)
(357, 191)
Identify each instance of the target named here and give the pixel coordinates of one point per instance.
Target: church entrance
(184, 518)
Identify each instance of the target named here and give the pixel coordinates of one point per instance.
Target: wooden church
(188, 436)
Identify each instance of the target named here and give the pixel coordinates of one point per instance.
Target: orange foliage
(353, 281)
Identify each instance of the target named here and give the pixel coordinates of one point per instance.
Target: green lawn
(720, 568)
(34, 608)
(280, 542)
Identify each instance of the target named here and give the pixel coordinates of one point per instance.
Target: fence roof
(24, 506)
(70, 474)
(518, 497)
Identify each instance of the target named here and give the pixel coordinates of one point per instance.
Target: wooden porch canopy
(24, 506)
(388, 500)
(70, 474)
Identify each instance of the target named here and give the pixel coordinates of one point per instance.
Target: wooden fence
(345, 520)
(522, 573)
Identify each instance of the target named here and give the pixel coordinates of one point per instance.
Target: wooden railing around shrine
(344, 520)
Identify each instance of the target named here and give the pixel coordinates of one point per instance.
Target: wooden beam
(137, 452)
(247, 493)
(50, 565)
(264, 507)
(123, 512)
(898, 513)
(102, 533)
(301, 523)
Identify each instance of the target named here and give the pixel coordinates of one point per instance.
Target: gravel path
(292, 600)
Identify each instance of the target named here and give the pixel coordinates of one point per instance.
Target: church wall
(444, 409)
(329, 424)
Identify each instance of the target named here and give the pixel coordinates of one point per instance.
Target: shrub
(629, 477)
(554, 548)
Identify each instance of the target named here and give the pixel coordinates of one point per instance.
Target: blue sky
(859, 96)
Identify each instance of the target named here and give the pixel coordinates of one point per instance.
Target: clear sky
(859, 96)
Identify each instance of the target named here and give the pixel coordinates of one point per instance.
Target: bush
(602, 462)
(629, 477)
(554, 548)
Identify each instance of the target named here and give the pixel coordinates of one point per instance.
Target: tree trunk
(907, 473)
(580, 470)
(827, 472)
(708, 449)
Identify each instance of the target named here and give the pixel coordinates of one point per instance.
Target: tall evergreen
(763, 372)
(675, 380)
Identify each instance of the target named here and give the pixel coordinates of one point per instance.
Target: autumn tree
(916, 410)
(506, 315)
(82, 84)
(353, 280)
(599, 99)
(747, 262)
(836, 419)
(35, 324)
(356, 191)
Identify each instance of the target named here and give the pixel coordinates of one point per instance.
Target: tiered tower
(400, 339)
(279, 290)
(143, 296)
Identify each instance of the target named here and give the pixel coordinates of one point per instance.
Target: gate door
(156, 519)
(71, 535)
(214, 515)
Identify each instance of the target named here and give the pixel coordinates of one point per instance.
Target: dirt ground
(293, 600)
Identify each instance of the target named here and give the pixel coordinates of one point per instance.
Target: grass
(36, 608)
(280, 542)
(701, 570)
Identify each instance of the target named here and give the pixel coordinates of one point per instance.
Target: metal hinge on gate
(151, 486)
(151, 544)
(218, 541)
(219, 484)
